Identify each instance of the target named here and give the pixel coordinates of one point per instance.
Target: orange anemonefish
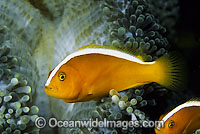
(93, 70)
(184, 119)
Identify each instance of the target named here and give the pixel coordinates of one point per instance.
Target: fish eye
(171, 124)
(61, 76)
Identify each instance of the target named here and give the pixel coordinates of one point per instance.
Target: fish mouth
(48, 89)
(52, 91)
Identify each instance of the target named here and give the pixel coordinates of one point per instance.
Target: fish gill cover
(36, 35)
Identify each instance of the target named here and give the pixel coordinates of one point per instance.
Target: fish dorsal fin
(140, 57)
(195, 99)
(134, 52)
(127, 50)
(95, 46)
(163, 115)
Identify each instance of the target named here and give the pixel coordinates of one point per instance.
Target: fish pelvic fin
(171, 71)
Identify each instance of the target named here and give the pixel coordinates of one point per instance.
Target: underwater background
(37, 35)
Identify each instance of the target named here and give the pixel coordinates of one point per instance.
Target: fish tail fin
(170, 69)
